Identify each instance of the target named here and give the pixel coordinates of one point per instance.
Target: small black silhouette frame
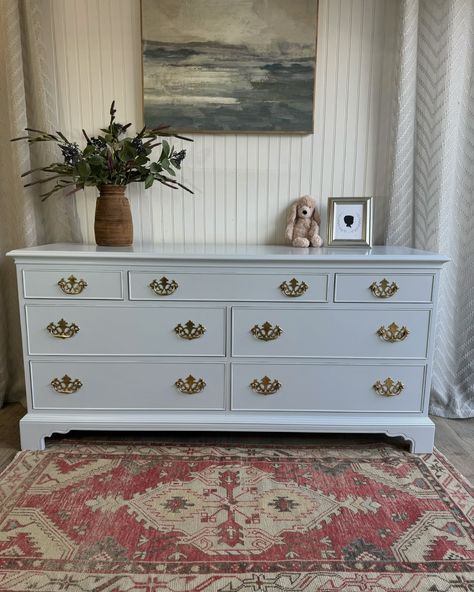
(349, 222)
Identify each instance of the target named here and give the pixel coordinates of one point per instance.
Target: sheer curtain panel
(27, 99)
(431, 204)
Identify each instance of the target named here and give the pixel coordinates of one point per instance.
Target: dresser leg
(32, 436)
(33, 433)
(421, 438)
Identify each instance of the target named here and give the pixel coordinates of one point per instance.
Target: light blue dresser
(230, 338)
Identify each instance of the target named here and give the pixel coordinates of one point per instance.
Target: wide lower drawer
(329, 333)
(72, 283)
(120, 330)
(328, 388)
(219, 284)
(384, 287)
(127, 385)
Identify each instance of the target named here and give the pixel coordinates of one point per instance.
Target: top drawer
(72, 283)
(219, 284)
(384, 287)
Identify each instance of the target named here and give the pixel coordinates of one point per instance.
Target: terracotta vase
(113, 224)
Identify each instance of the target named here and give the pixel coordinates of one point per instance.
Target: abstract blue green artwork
(229, 65)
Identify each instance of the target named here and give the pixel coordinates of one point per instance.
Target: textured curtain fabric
(432, 195)
(27, 81)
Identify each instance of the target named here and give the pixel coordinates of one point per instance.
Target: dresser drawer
(127, 385)
(119, 330)
(219, 284)
(384, 287)
(329, 333)
(72, 283)
(329, 388)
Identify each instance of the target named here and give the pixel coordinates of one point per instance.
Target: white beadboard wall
(243, 183)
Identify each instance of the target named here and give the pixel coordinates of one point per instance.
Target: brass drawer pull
(393, 333)
(62, 329)
(164, 287)
(266, 332)
(66, 385)
(265, 386)
(293, 288)
(383, 289)
(190, 385)
(388, 388)
(189, 330)
(72, 285)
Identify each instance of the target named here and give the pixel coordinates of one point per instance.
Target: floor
(454, 438)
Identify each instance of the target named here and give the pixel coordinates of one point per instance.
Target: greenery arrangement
(111, 158)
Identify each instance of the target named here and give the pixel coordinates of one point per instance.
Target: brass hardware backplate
(62, 329)
(72, 285)
(383, 289)
(163, 286)
(293, 288)
(389, 387)
(265, 386)
(190, 385)
(266, 332)
(66, 385)
(189, 330)
(393, 333)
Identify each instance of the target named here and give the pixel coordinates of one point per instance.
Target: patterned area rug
(203, 518)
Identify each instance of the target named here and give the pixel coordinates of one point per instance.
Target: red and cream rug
(115, 518)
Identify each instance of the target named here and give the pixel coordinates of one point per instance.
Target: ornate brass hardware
(72, 285)
(164, 287)
(189, 330)
(190, 385)
(62, 329)
(66, 385)
(266, 332)
(265, 386)
(293, 288)
(393, 333)
(383, 289)
(388, 388)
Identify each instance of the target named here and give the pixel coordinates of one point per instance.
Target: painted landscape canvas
(229, 65)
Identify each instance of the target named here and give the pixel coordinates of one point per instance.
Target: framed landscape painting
(229, 65)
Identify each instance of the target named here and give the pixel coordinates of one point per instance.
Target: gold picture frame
(349, 222)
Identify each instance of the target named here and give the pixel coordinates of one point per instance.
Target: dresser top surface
(228, 253)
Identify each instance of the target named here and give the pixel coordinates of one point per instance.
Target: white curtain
(27, 99)
(432, 194)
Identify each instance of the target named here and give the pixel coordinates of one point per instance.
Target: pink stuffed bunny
(303, 223)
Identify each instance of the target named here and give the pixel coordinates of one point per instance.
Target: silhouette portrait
(349, 220)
